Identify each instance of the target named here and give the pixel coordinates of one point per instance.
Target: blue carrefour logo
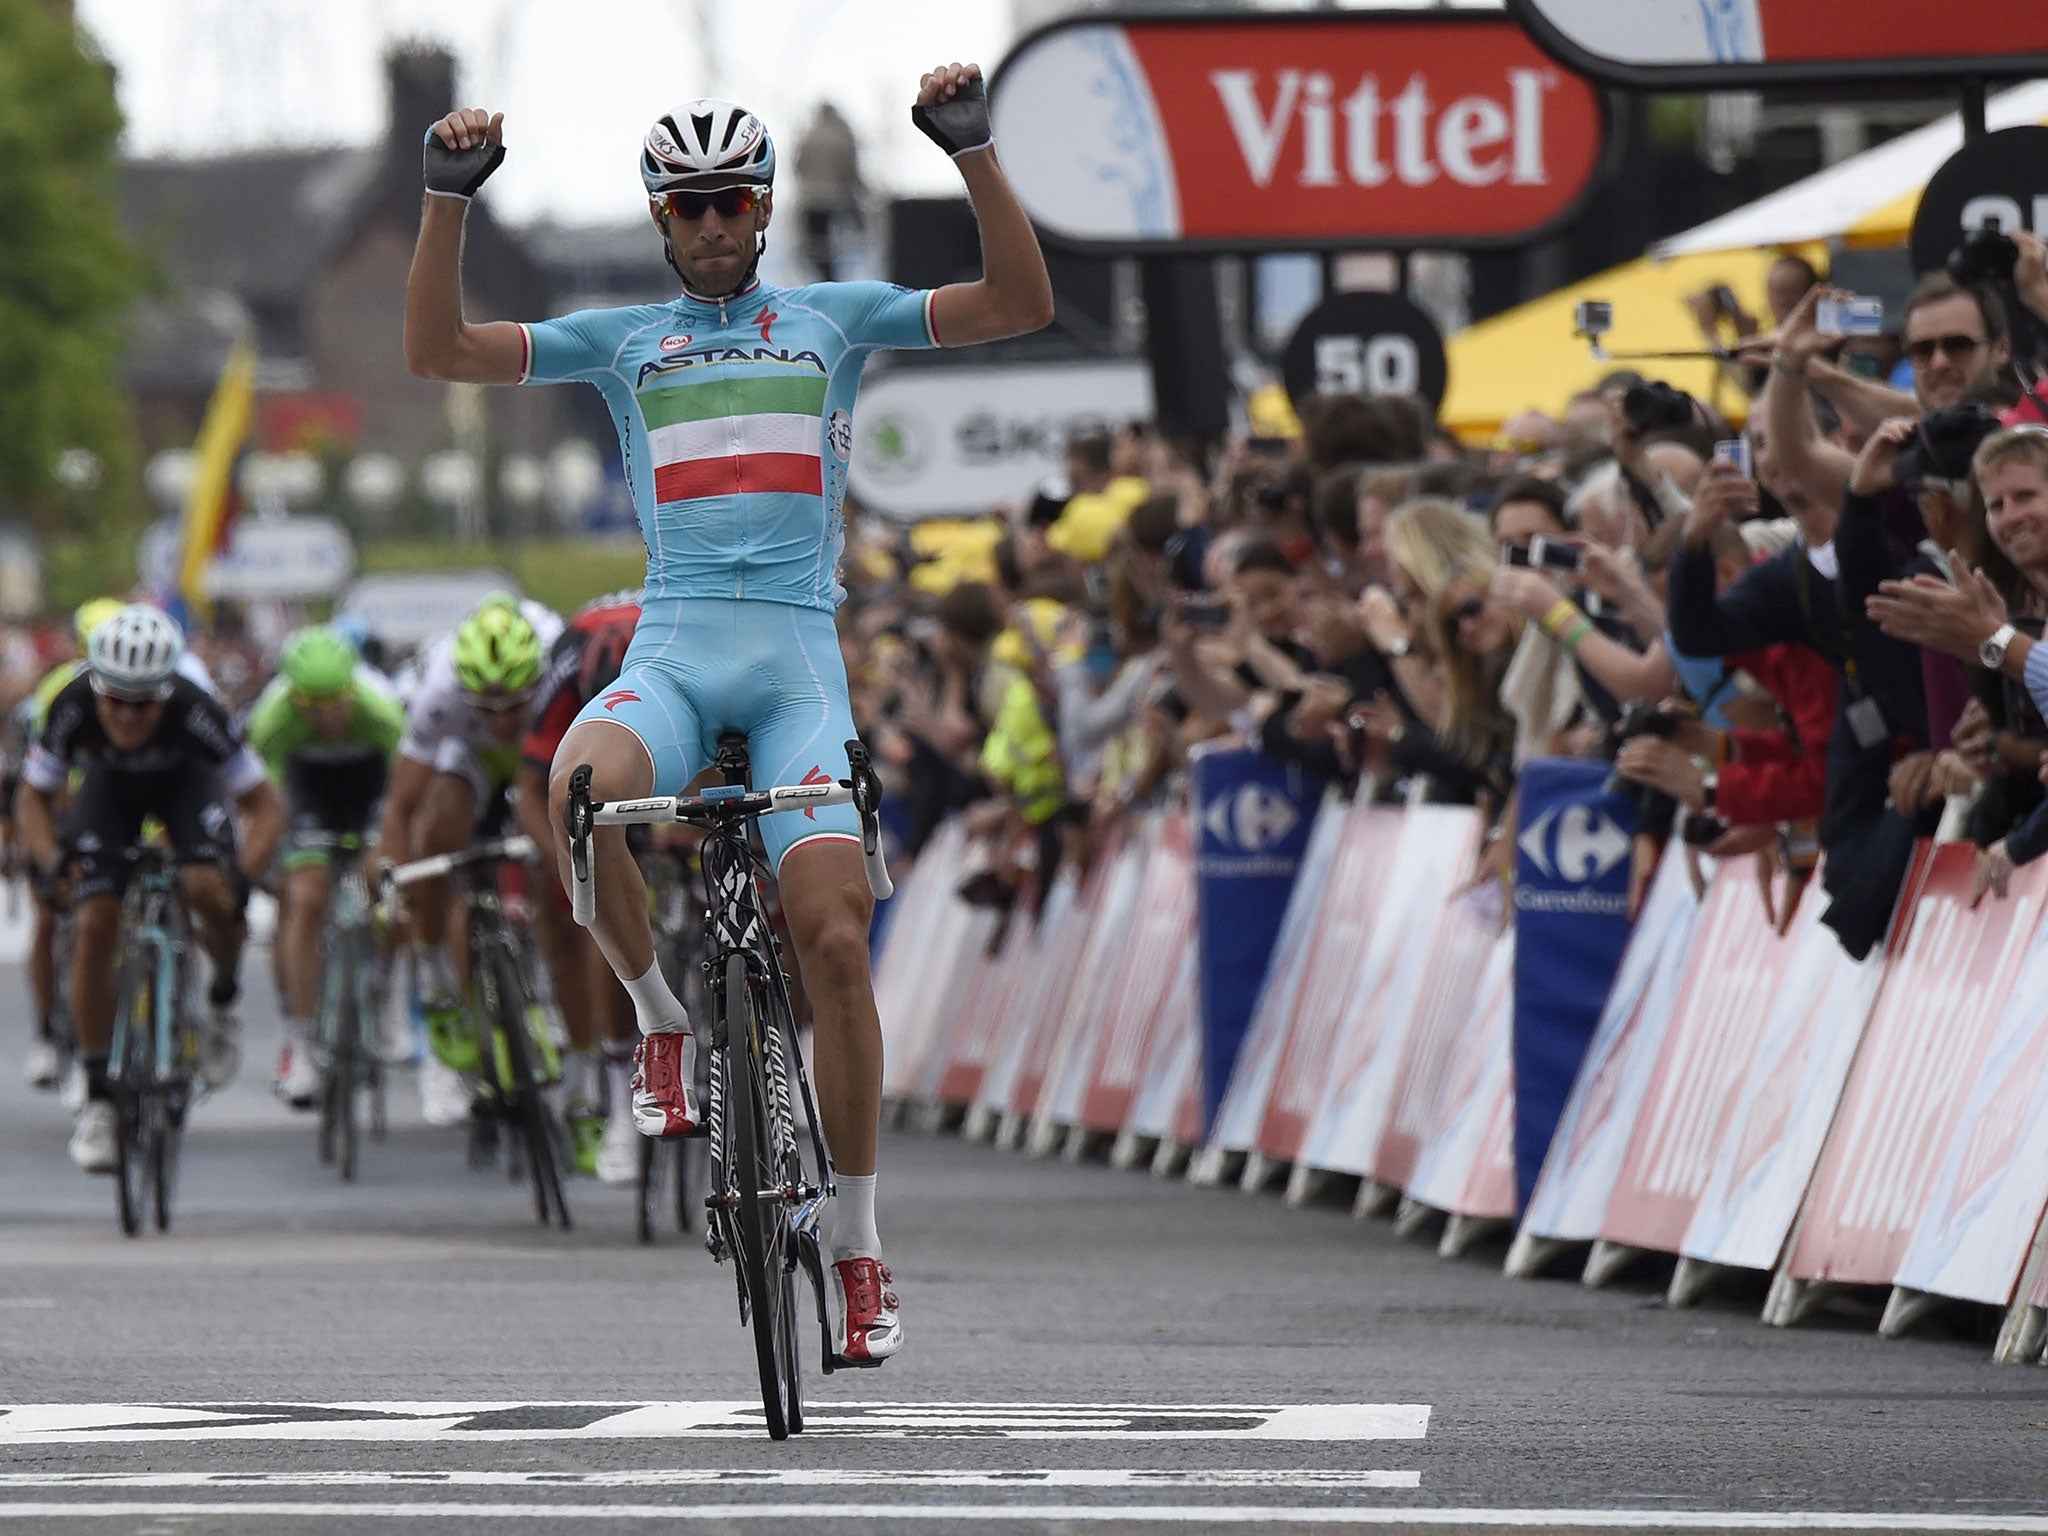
(1578, 843)
(1251, 818)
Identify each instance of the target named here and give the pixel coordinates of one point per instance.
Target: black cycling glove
(457, 172)
(959, 125)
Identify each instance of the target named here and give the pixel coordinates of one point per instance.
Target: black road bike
(351, 998)
(516, 1064)
(768, 1185)
(153, 1066)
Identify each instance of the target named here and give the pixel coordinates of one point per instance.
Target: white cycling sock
(298, 1031)
(657, 1009)
(618, 1076)
(579, 1076)
(435, 970)
(853, 1218)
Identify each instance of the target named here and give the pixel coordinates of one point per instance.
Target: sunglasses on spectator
(1954, 348)
(730, 202)
(1471, 608)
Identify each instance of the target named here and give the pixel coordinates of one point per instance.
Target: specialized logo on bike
(619, 696)
(821, 779)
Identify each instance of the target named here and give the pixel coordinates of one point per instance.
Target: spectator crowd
(1789, 640)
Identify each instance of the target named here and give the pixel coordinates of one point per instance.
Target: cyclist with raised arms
(153, 743)
(452, 782)
(734, 410)
(326, 730)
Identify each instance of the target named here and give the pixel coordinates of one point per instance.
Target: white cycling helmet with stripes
(705, 145)
(134, 654)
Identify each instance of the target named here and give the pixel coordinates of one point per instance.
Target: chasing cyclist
(45, 1064)
(153, 743)
(734, 409)
(452, 782)
(326, 730)
(598, 1015)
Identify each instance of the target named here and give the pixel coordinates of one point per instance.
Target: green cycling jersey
(281, 729)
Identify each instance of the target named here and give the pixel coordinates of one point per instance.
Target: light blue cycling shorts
(702, 666)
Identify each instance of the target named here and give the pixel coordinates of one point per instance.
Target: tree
(67, 270)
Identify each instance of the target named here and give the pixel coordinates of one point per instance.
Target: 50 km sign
(1242, 132)
(1364, 344)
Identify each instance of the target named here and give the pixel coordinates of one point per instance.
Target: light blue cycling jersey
(735, 420)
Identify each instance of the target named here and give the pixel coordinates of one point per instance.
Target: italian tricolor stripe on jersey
(731, 436)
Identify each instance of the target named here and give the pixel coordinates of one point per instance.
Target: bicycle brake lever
(576, 818)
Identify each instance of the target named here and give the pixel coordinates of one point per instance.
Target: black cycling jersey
(195, 729)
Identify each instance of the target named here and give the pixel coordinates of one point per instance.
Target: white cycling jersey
(445, 730)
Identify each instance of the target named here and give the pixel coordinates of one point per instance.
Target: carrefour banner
(1572, 843)
(1253, 816)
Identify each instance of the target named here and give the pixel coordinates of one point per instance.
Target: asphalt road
(1091, 1350)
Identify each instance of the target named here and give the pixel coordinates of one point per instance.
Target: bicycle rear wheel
(539, 1136)
(754, 1169)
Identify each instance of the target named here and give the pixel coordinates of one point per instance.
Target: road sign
(2002, 177)
(1365, 344)
(1253, 131)
(286, 559)
(1717, 44)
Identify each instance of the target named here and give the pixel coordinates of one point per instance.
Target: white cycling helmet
(134, 655)
(705, 145)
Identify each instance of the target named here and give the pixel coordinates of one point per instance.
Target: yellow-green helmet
(91, 614)
(497, 650)
(317, 663)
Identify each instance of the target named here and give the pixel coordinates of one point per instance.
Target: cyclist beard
(668, 251)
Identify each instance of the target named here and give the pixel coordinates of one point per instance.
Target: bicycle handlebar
(432, 868)
(722, 803)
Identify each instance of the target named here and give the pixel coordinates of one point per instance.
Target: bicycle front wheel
(534, 1121)
(755, 1170)
(133, 1072)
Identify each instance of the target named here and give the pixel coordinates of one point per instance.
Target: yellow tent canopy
(1529, 357)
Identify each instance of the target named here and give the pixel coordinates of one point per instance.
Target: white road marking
(26, 1303)
(733, 1478)
(75, 1423)
(1158, 1514)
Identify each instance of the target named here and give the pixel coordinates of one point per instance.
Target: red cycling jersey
(585, 659)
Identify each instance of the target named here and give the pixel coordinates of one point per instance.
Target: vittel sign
(1254, 131)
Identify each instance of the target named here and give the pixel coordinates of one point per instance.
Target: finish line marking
(96, 1423)
(1158, 1514)
(1344, 1481)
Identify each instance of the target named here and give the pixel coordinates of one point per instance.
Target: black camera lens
(1655, 404)
(1987, 255)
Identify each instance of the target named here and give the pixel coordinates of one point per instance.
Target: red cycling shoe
(865, 1327)
(664, 1084)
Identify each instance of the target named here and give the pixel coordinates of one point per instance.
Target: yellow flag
(209, 501)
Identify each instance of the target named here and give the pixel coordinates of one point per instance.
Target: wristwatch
(1710, 781)
(1398, 649)
(1992, 651)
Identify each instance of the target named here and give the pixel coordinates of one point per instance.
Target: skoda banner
(1253, 817)
(934, 441)
(1571, 913)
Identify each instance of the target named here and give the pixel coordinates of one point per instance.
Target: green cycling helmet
(497, 650)
(317, 663)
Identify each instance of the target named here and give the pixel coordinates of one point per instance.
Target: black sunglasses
(1471, 608)
(730, 202)
(1954, 348)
